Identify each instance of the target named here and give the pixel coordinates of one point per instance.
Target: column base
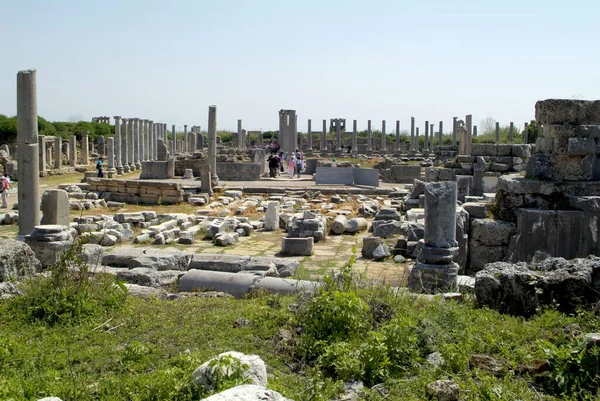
(120, 170)
(131, 167)
(428, 278)
(138, 166)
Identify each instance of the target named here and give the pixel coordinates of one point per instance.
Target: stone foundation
(132, 191)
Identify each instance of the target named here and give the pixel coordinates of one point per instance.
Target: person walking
(291, 166)
(4, 187)
(299, 161)
(99, 168)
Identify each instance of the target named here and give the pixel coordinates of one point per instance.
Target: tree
(487, 126)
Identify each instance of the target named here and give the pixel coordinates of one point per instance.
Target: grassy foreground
(146, 349)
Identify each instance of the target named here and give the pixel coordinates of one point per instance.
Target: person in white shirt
(4, 186)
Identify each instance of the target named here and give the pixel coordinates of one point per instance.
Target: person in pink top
(291, 166)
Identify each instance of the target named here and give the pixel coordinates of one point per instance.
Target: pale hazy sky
(169, 60)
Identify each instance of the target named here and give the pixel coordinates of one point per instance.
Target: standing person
(99, 168)
(4, 186)
(280, 158)
(299, 161)
(291, 166)
(273, 166)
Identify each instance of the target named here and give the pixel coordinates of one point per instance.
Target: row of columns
(101, 120)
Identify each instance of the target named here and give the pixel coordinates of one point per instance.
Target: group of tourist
(293, 161)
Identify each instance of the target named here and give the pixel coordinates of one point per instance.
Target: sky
(366, 60)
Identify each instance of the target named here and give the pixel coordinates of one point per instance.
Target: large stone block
(567, 111)
(491, 232)
(55, 207)
(297, 246)
(17, 260)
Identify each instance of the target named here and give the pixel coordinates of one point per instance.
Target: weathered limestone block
(55, 207)
(159, 259)
(255, 371)
(491, 232)
(17, 260)
(297, 246)
(369, 246)
(272, 216)
(567, 111)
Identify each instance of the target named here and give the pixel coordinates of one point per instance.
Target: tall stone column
(417, 139)
(174, 141)
(42, 153)
(188, 142)
(57, 152)
(136, 143)
(130, 144)
(474, 130)
(212, 143)
(383, 137)
(281, 138)
(441, 133)
(309, 139)
(118, 156)
(73, 146)
(354, 137)
(426, 147)
(511, 133)
(124, 147)
(435, 269)
(526, 133)
(143, 140)
(412, 135)
(240, 137)
(111, 155)
(454, 130)
(497, 132)
(469, 124)
(338, 135)
(28, 173)
(369, 137)
(323, 144)
(85, 148)
(397, 143)
(431, 137)
(295, 130)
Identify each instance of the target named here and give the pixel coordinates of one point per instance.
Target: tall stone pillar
(431, 137)
(454, 130)
(130, 144)
(338, 135)
(497, 132)
(42, 153)
(309, 139)
(511, 134)
(412, 136)
(174, 142)
(150, 140)
(111, 155)
(73, 146)
(144, 141)
(474, 130)
(28, 173)
(469, 124)
(435, 269)
(293, 130)
(526, 133)
(383, 137)
(240, 137)
(441, 133)
(282, 127)
(85, 148)
(417, 139)
(187, 139)
(354, 137)
(369, 137)
(118, 156)
(426, 147)
(137, 149)
(397, 143)
(124, 147)
(57, 152)
(212, 143)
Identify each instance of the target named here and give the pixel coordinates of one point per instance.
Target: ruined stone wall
(137, 192)
(238, 171)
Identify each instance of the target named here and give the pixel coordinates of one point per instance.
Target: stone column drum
(28, 155)
(435, 270)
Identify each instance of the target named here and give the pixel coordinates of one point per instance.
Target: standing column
(497, 132)
(212, 143)
(454, 130)
(309, 138)
(124, 147)
(412, 134)
(118, 145)
(369, 137)
(323, 144)
(28, 173)
(85, 148)
(144, 140)
(151, 140)
(137, 149)
(174, 142)
(188, 143)
(338, 135)
(469, 124)
(511, 132)
(383, 137)
(130, 145)
(240, 135)
(281, 134)
(417, 139)
(57, 152)
(397, 144)
(42, 153)
(73, 146)
(426, 147)
(294, 130)
(441, 133)
(526, 133)
(111, 155)
(354, 137)
(431, 137)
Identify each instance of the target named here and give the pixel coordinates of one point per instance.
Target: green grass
(149, 348)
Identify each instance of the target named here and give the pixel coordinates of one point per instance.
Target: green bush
(70, 293)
